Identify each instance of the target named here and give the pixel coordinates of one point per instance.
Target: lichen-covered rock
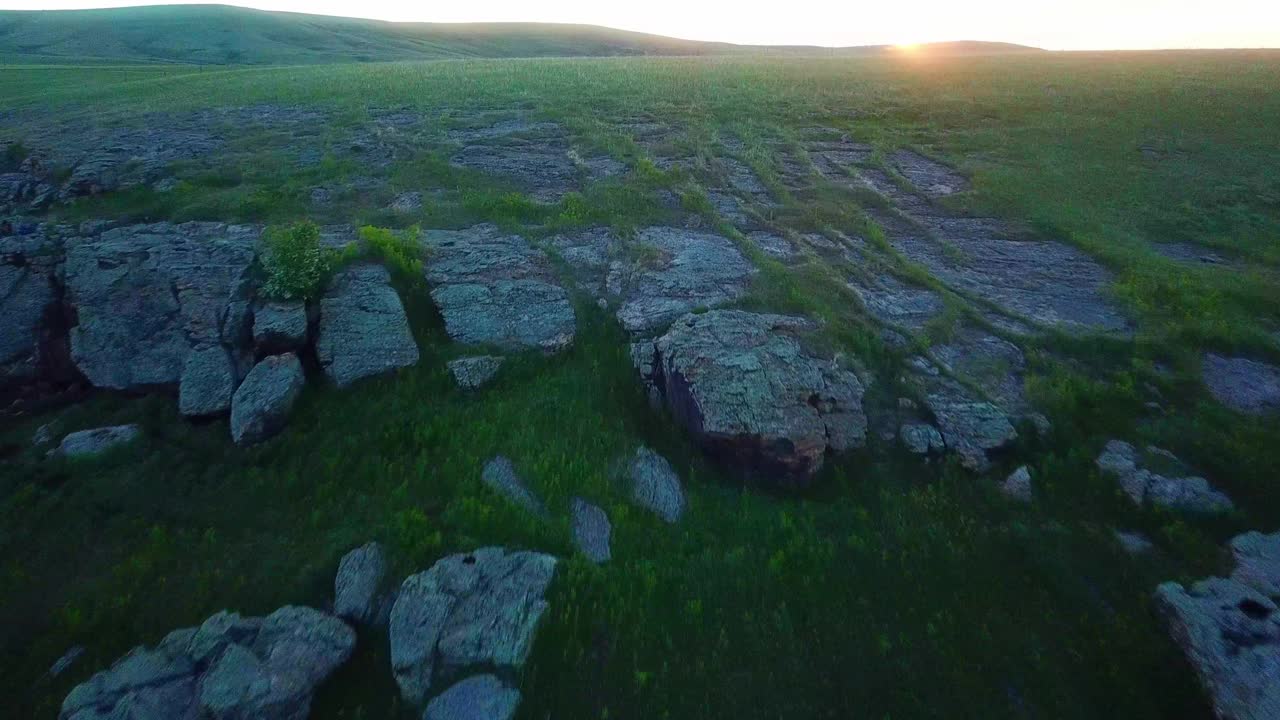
(208, 382)
(145, 295)
(472, 373)
(1188, 493)
(655, 485)
(480, 697)
(355, 587)
(363, 328)
(1244, 385)
(229, 668)
(1230, 634)
(921, 438)
(591, 530)
(971, 428)
(501, 476)
(279, 327)
(495, 289)
(748, 390)
(261, 405)
(472, 609)
(98, 440)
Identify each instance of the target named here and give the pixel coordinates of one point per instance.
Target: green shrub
(295, 262)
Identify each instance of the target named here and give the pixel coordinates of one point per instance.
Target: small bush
(295, 262)
(402, 251)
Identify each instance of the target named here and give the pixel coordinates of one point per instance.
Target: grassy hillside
(217, 34)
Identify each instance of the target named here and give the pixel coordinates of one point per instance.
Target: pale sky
(1056, 25)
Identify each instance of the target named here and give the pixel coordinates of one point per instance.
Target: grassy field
(891, 589)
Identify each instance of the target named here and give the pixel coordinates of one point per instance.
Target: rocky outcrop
(99, 440)
(480, 697)
(228, 668)
(279, 327)
(655, 485)
(1244, 385)
(921, 438)
(479, 609)
(355, 587)
(472, 373)
(209, 379)
(1188, 493)
(500, 475)
(536, 158)
(972, 428)
(363, 328)
(591, 530)
(495, 289)
(29, 294)
(750, 393)
(260, 407)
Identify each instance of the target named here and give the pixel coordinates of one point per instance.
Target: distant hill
(225, 35)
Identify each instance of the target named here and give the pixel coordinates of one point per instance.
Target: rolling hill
(225, 35)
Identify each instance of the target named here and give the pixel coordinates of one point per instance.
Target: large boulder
(144, 295)
(228, 668)
(98, 440)
(263, 401)
(208, 382)
(480, 697)
(495, 289)
(355, 588)
(279, 326)
(1141, 484)
(748, 390)
(472, 609)
(363, 327)
(1244, 385)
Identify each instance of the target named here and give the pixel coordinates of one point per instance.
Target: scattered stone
(261, 405)
(363, 329)
(65, 662)
(921, 438)
(1257, 559)
(655, 485)
(472, 609)
(751, 394)
(500, 475)
(1133, 543)
(1230, 634)
(472, 373)
(208, 382)
(494, 289)
(229, 667)
(279, 327)
(407, 202)
(1244, 385)
(98, 440)
(591, 530)
(360, 573)
(1191, 494)
(480, 697)
(971, 428)
(1018, 485)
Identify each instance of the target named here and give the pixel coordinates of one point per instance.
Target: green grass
(890, 589)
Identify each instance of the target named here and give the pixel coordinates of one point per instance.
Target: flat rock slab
(473, 373)
(660, 274)
(480, 697)
(472, 609)
(1141, 484)
(363, 329)
(751, 394)
(930, 176)
(1230, 634)
(261, 405)
(99, 440)
(1244, 385)
(534, 157)
(591, 530)
(495, 289)
(898, 304)
(266, 668)
(655, 485)
(145, 295)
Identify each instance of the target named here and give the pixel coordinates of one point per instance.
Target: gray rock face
(921, 438)
(208, 382)
(363, 328)
(1244, 385)
(261, 405)
(279, 327)
(494, 289)
(591, 530)
(898, 304)
(931, 177)
(472, 373)
(659, 275)
(480, 697)
(534, 157)
(746, 388)
(1190, 493)
(1257, 559)
(500, 475)
(98, 440)
(355, 587)
(1230, 633)
(229, 668)
(28, 294)
(1018, 485)
(655, 485)
(472, 609)
(145, 295)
